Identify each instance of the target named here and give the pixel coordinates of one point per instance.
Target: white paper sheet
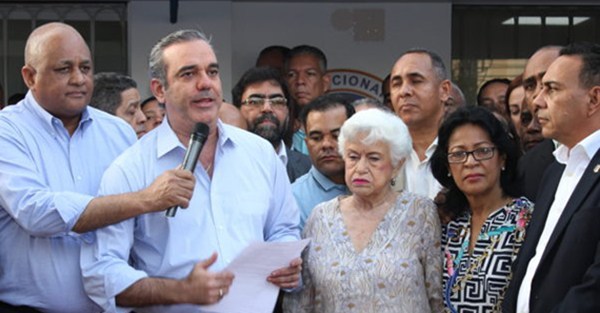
(250, 291)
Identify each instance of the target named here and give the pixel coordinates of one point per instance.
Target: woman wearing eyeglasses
(476, 160)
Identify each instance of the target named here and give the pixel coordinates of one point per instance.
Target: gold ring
(221, 293)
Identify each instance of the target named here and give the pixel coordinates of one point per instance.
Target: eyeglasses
(479, 154)
(259, 102)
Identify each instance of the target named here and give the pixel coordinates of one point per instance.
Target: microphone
(197, 140)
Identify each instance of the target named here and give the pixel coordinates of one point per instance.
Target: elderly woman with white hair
(375, 250)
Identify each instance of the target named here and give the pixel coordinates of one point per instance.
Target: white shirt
(282, 154)
(415, 175)
(248, 199)
(576, 161)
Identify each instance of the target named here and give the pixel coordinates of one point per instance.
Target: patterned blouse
(399, 270)
(477, 282)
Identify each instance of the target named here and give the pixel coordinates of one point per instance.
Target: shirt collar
(431, 149)
(428, 152)
(588, 146)
(48, 120)
(323, 181)
(282, 153)
(226, 134)
(167, 140)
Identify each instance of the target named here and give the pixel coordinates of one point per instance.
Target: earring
(393, 182)
(503, 168)
(449, 175)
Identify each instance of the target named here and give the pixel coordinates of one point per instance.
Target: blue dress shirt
(313, 188)
(47, 178)
(248, 199)
(298, 142)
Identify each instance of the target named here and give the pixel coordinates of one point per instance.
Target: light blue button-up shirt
(298, 142)
(249, 199)
(47, 178)
(313, 188)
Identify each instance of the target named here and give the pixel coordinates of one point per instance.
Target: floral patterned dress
(477, 282)
(398, 271)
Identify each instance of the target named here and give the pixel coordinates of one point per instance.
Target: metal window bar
(62, 10)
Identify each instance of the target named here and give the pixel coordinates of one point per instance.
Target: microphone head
(201, 129)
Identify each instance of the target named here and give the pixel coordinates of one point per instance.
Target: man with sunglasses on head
(262, 97)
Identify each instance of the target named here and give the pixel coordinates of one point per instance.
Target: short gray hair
(307, 50)
(436, 61)
(369, 103)
(156, 64)
(377, 126)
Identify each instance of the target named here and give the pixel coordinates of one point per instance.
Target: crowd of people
(415, 202)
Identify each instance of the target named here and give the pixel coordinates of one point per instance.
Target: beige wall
(241, 29)
(149, 21)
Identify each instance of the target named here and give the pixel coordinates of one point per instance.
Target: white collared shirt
(415, 175)
(576, 161)
(248, 199)
(281, 153)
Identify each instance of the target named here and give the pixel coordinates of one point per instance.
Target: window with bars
(102, 25)
(496, 41)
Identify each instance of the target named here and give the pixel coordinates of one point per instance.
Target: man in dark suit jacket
(297, 165)
(538, 154)
(558, 267)
(262, 96)
(532, 166)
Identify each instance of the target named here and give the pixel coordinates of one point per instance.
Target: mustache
(203, 94)
(267, 117)
(329, 153)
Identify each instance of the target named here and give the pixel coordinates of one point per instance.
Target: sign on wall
(355, 84)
